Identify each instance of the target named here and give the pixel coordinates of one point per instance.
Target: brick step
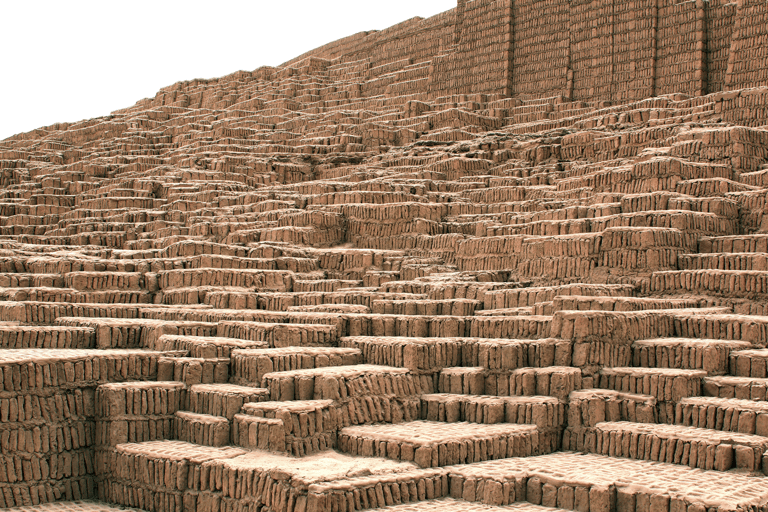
(202, 429)
(332, 308)
(222, 399)
(543, 411)
(744, 388)
(299, 428)
(525, 311)
(518, 297)
(588, 407)
(134, 470)
(278, 335)
(724, 261)
(749, 363)
(206, 347)
(712, 356)
(556, 381)
(324, 285)
(457, 505)
(134, 412)
(727, 414)
(341, 382)
(32, 280)
(433, 354)
(664, 384)
(25, 336)
(582, 303)
(135, 332)
(586, 481)
(734, 244)
(250, 366)
(448, 307)
(193, 370)
(71, 506)
(435, 444)
(728, 283)
(677, 444)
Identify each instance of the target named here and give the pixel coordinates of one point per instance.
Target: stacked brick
(484, 50)
(746, 64)
(47, 410)
(541, 64)
(680, 58)
(470, 240)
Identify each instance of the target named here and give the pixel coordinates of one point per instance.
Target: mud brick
(202, 429)
(222, 399)
(432, 444)
(712, 356)
(340, 382)
(544, 412)
(193, 370)
(250, 366)
(281, 335)
(665, 384)
(205, 347)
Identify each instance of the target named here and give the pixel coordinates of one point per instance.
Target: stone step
(744, 388)
(749, 363)
(299, 428)
(435, 444)
(543, 411)
(664, 384)
(193, 370)
(677, 444)
(25, 336)
(202, 429)
(222, 399)
(250, 366)
(206, 347)
(586, 481)
(712, 356)
(341, 382)
(556, 381)
(727, 414)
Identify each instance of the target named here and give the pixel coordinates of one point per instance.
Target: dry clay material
(511, 257)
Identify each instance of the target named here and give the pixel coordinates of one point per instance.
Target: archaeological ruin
(513, 257)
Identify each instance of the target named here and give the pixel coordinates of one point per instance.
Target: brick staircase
(348, 284)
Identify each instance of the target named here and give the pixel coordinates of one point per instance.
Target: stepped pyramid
(513, 257)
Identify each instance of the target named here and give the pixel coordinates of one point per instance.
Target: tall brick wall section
(586, 50)
(482, 61)
(541, 48)
(748, 59)
(635, 31)
(592, 49)
(680, 52)
(721, 15)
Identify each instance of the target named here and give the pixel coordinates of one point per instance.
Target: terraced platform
(464, 263)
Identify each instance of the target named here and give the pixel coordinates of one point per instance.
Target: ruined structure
(515, 255)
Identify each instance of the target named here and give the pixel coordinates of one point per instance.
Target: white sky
(67, 60)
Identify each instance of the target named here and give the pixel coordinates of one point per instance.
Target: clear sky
(67, 60)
